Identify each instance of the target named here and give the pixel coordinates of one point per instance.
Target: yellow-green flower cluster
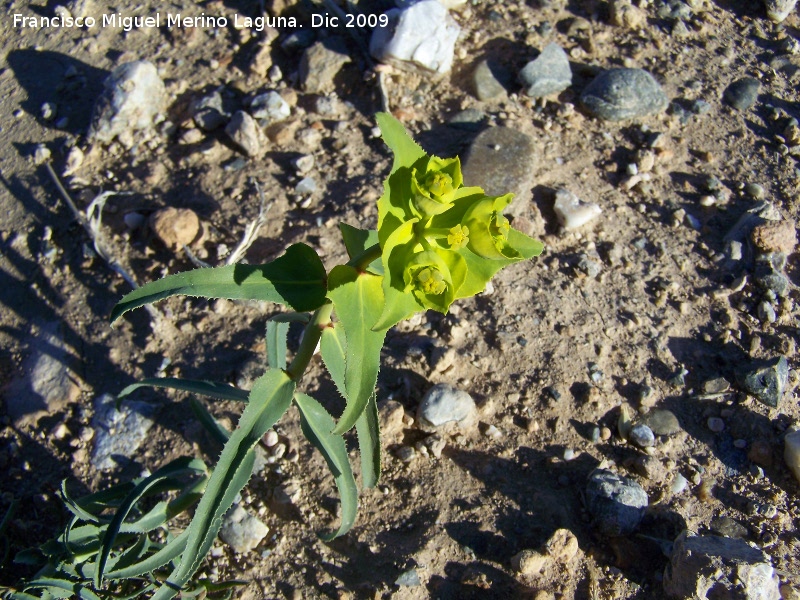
(440, 240)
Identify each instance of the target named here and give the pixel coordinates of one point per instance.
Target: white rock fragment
(791, 452)
(270, 106)
(134, 99)
(572, 212)
(421, 36)
(778, 10)
(241, 530)
(444, 407)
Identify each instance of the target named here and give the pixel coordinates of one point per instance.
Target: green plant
(436, 241)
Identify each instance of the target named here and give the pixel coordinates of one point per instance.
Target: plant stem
(311, 335)
(362, 261)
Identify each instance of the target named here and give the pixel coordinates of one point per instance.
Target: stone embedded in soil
(270, 107)
(616, 503)
(619, 94)
(661, 421)
(559, 549)
(742, 93)
(241, 530)
(485, 83)
(175, 227)
(641, 435)
(208, 113)
(775, 236)
(572, 212)
(119, 433)
(133, 99)
(709, 566)
(549, 73)
(624, 14)
(47, 385)
(444, 406)
(246, 133)
(766, 380)
(321, 63)
(791, 452)
(408, 578)
(421, 37)
(778, 10)
(727, 527)
(501, 161)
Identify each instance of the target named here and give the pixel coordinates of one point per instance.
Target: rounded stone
(662, 422)
(444, 405)
(742, 93)
(619, 94)
(642, 436)
(175, 227)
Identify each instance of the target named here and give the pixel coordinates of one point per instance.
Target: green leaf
(176, 468)
(356, 241)
(270, 398)
(276, 344)
(357, 299)
(169, 552)
(214, 389)
(62, 588)
(207, 420)
(317, 424)
(332, 346)
(369, 443)
(406, 150)
(296, 279)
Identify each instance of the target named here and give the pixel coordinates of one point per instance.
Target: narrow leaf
(317, 424)
(276, 344)
(178, 467)
(369, 444)
(270, 398)
(296, 279)
(332, 346)
(358, 300)
(214, 389)
(169, 552)
(207, 420)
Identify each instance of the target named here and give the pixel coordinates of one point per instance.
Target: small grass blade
(213, 389)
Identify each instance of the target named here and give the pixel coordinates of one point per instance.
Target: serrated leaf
(167, 553)
(214, 389)
(406, 150)
(62, 588)
(332, 346)
(176, 468)
(270, 398)
(317, 423)
(356, 241)
(358, 300)
(369, 443)
(296, 279)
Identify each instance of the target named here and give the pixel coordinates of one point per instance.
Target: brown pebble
(175, 227)
(705, 491)
(760, 453)
(775, 236)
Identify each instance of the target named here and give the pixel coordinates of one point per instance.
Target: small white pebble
(716, 424)
(678, 484)
(493, 432)
(569, 454)
(270, 438)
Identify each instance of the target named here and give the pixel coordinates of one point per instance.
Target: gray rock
(618, 94)
(47, 384)
(766, 380)
(791, 452)
(241, 530)
(572, 212)
(616, 503)
(118, 433)
(710, 566)
(270, 107)
(549, 73)
(642, 436)
(727, 527)
(321, 63)
(778, 10)
(305, 186)
(588, 265)
(485, 82)
(408, 578)
(133, 100)
(662, 422)
(208, 113)
(246, 133)
(444, 405)
(742, 93)
(470, 119)
(420, 37)
(501, 160)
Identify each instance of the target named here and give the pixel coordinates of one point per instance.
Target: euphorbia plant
(437, 241)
